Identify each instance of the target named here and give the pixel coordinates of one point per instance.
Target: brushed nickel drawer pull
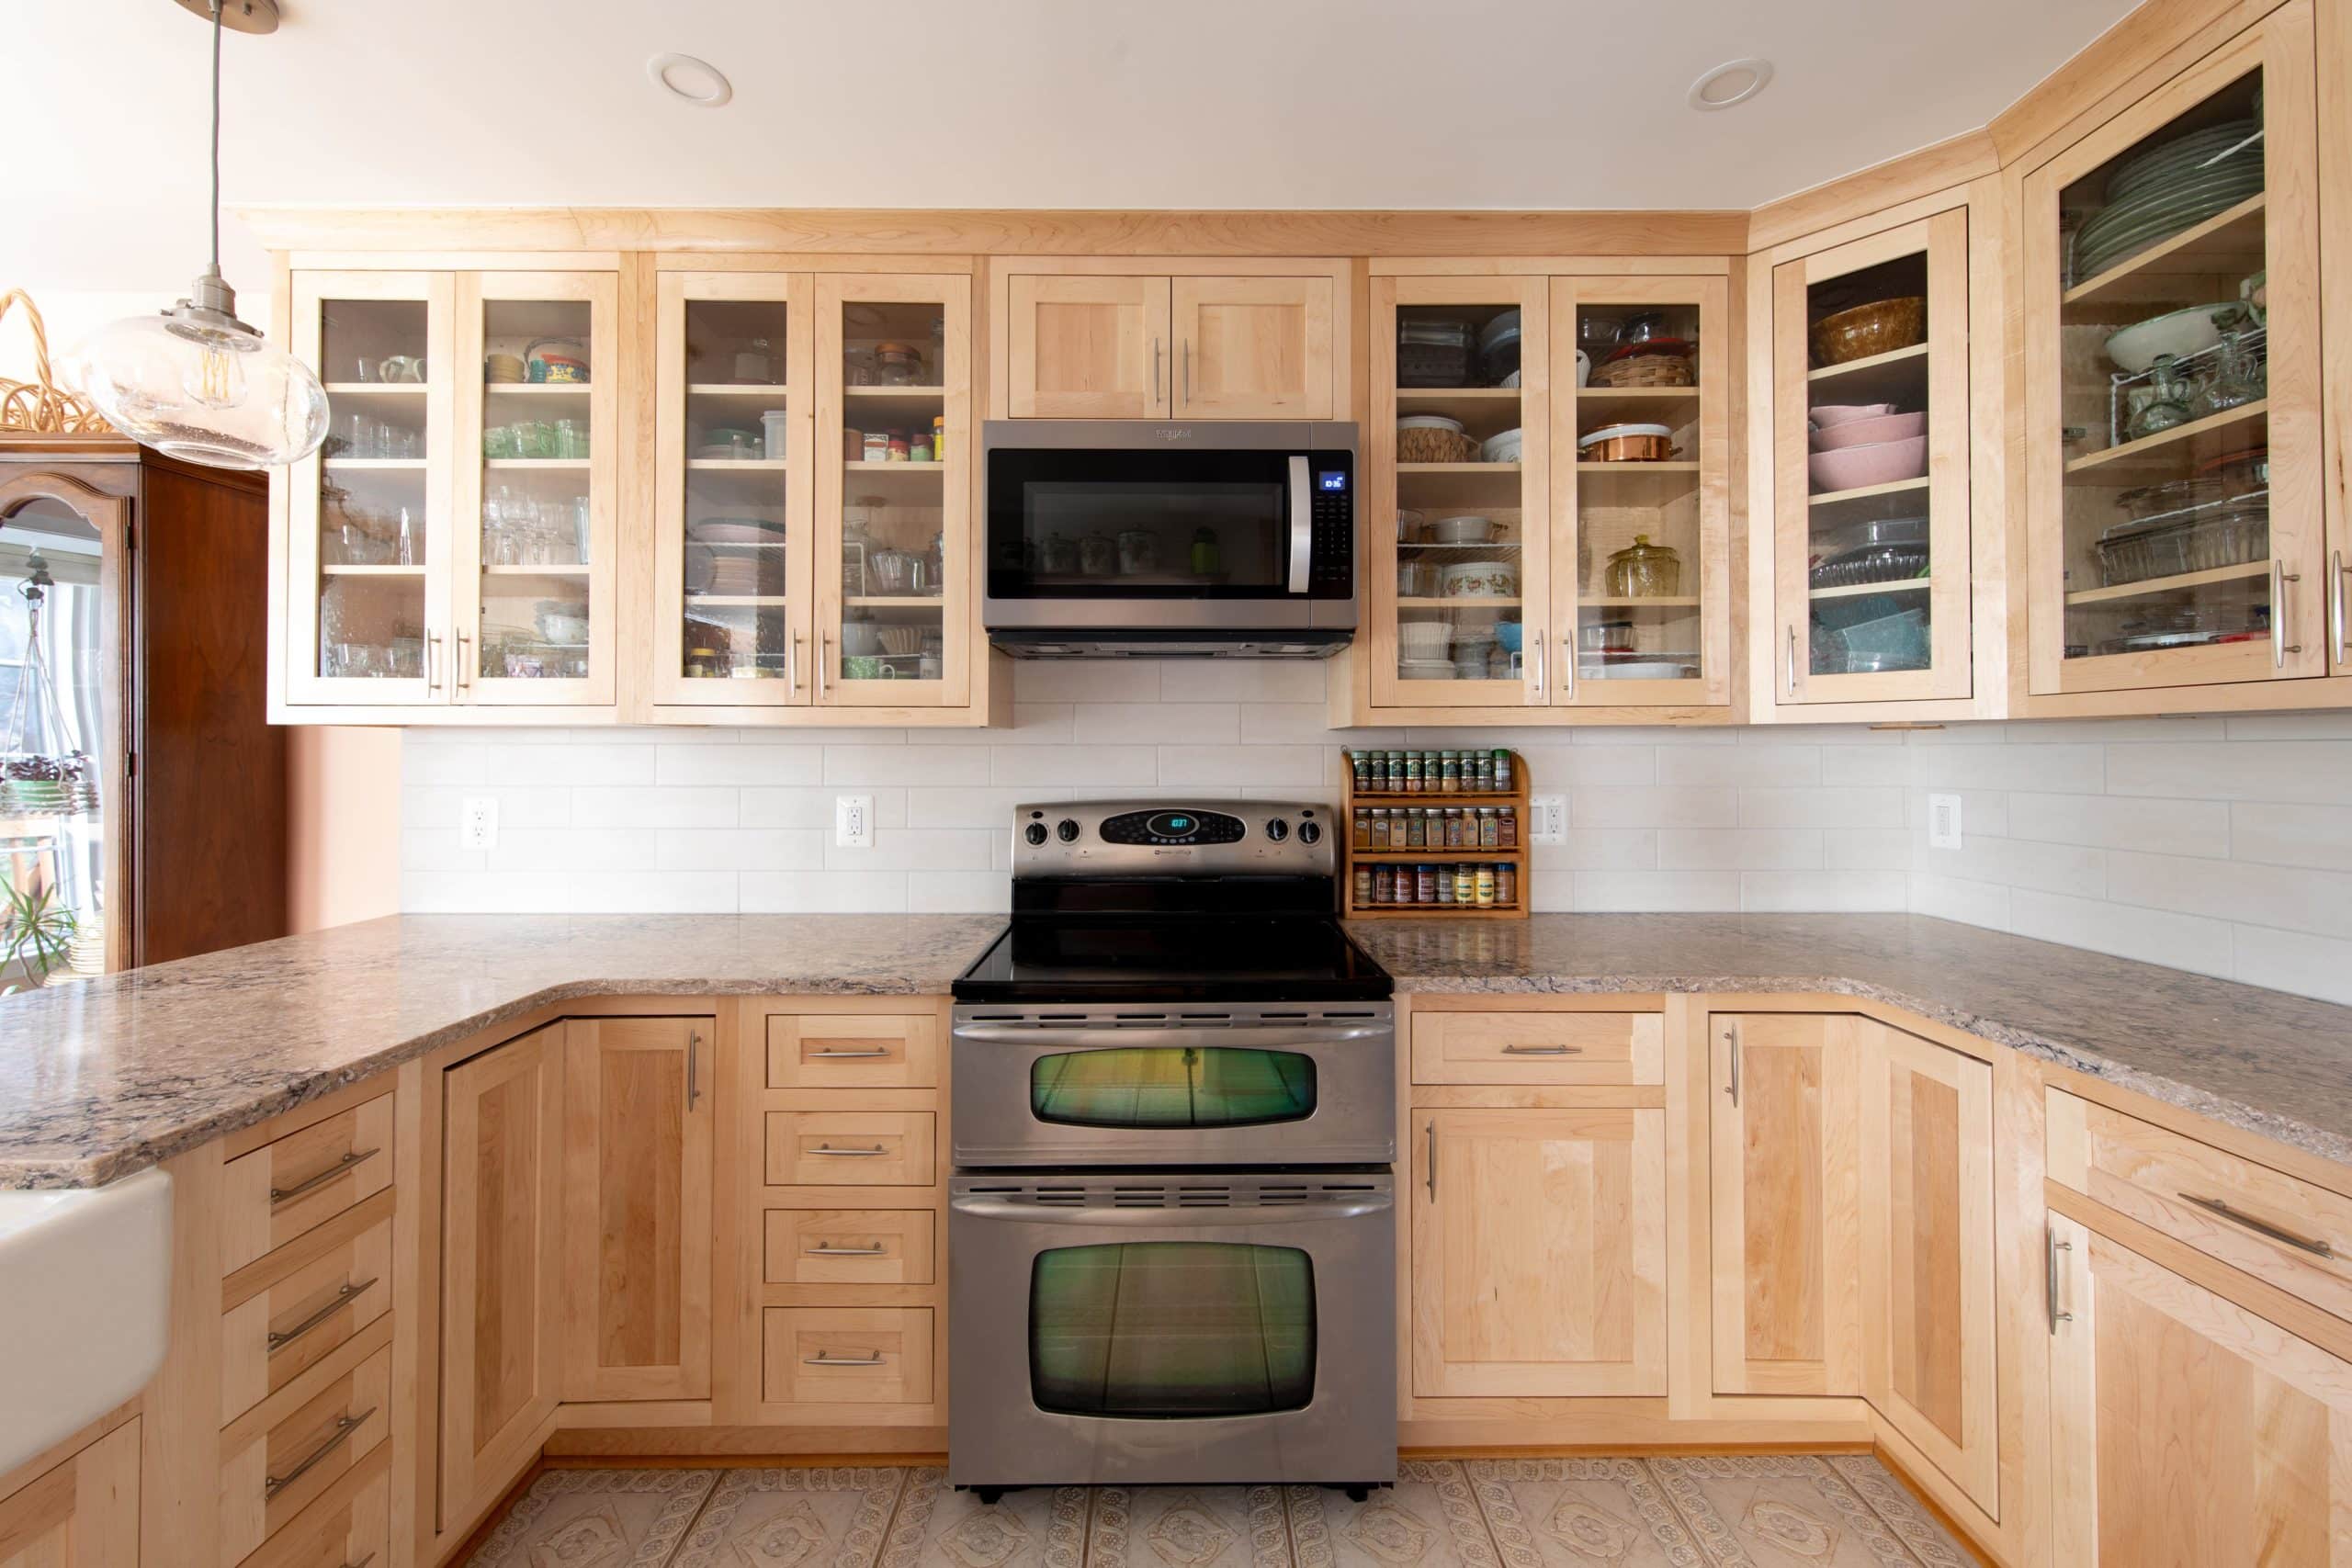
(344, 1297)
(1542, 1050)
(1730, 1042)
(1432, 1159)
(845, 1055)
(273, 1484)
(849, 1154)
(693, 1051)
(2050, 1279)
(826, 1358)
(287, 1194)
(2260, 1227)
(846, 1252)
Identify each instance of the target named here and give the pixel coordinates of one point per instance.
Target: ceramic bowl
(1503, 448)
(1512, 635)
(1865, 431)
(1425, 669)
(861, 637)
(1478, 579)
(1882, 463)
(1423, 639)
(1880, 327)
(2177, 333)
(1463, 530)
(1829, 416)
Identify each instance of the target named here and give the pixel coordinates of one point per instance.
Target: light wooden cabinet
(2175, 516)
(2184, 1428)
(1785, 1170)
(80, 1513)
(1871, 592)
(1119, 339)
(1927, 1252)
(501, 1204)
(637, 1208)
(1539, 1252)
(454, 543)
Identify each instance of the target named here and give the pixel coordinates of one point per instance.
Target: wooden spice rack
(1516, 855)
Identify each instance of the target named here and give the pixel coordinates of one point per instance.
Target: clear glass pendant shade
(203, 392)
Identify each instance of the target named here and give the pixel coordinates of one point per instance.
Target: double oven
(1172, 1224)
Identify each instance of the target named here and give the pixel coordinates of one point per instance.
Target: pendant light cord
(216, 136)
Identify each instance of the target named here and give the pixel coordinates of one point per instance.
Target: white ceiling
(1298, 104)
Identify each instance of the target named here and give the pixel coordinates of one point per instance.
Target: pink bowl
(1884, 463)
(1828, 416)
(1869, 432)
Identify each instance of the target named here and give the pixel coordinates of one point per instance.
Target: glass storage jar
(1644, 570)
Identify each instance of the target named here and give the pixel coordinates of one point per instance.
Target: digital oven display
(1334, 480)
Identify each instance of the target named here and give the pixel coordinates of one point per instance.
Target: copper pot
(1629, 449)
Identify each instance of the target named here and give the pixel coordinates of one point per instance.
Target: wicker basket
(1645, 371)
(1430, 443)
(1880, 327)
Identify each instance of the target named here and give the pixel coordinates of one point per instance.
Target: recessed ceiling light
(1733, 82)
(698, 82)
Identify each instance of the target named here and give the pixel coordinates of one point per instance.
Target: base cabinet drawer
(82, 1512)
(849, 1148)
(348, 1526)
(290, 1325)
(271, 1470)
(854, 1051)
(847, 1355)
(849, 1246)
(2282, 1230)
(1534, 1047)
(303, 1179)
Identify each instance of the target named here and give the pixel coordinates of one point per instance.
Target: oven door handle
(1248, 1039)
(1302, 522)
(1140, 1217)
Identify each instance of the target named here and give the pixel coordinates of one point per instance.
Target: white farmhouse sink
(85, 1298)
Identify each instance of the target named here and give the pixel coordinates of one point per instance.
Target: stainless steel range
(1172, 1224)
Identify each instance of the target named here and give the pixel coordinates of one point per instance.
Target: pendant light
(194, 382)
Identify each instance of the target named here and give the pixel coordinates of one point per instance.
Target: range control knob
(1067, 830)
(1309, 833)
(1034, 832)
(1279, 830)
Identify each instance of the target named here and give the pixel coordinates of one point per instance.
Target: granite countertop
(102, 1078)
(2268, 1062)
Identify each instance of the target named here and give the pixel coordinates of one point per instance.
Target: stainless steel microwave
(1109, 537)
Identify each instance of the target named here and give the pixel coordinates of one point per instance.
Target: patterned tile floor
(1771, 1511)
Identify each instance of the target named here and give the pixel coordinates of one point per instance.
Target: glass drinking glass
(2162, 404)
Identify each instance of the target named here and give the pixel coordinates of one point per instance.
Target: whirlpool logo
(1174, 432)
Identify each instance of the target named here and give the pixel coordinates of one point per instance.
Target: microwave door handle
(1302, 522)
(1141, 1216)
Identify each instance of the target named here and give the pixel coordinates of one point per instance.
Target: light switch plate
(853, 821)
(1943, 821)
(478, 822)
(1550, 824)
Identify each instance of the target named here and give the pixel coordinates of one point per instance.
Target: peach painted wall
(342, 826)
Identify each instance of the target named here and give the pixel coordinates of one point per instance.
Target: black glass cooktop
(1061, 958)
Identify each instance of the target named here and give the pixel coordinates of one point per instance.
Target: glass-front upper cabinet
(533, 569)
(1641, 605)
(892, 452)
(368, 516)
(1870, 468)
(1455, 495)
(734, 456)
(2172, 361)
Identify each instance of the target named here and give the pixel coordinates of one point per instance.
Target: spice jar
(1506, 884)
(1644, 570)
(1362, 837)
(1361, 761)
(1490, 832)
(1507, 828)
(1379, 827)
(897, 365)
(939, 438)
(1363, 885)
(876, 448)
(1425, 884)
(1502, 771)
(1486, 886)
(1444, 885)
(1450, 771)
(1383, 884)
(1465, 884)
(1416, 829)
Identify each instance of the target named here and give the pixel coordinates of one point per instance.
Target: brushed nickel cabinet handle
(849, 1154)
(1538, 672)
(2280, 645)
(2050, 1282)
(1567, 667)
(1432, 1159)
(845, 1055)
(1188, 372)
(1158, 373)
(845, 1252)
(792, 664)
(1731, 1038)
(431, 661)
(281, 1195)
(463, 684)
(347, 1293)
(1542, 1050)
(693, 1054)
(344, 1426)
(1789, 681)
(2260, 1227)
(2335, 602)
(824, 645)
(824, 1358)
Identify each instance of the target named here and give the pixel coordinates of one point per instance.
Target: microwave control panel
(1332, 569)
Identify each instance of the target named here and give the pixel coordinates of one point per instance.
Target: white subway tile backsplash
(960, 892)
(1830, 806)
(2318, 771)
(1747, 766)
(1163, 724)
(2293, 961)
(606, 762)
(2053, 769)
(1133, 681)
(700, 762)
(654, 807)
(910, 763)
(1300, 767)
(1656, 806)
(574, 849)
(1073, 766)
(813, 807)
(821, 892)
(1241, 680)
(2153, 936)
(1866, 849)
(1628, 891)
(915, 849)
(1599, 848)
(2288, 834)
(651, 892)
(2180, 826)
(2319, 902)
(1950, 899)
(740, 848)
(1737, 849)
(1782, 892)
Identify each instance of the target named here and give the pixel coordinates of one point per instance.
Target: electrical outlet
(1550, 824)
(478, 822)
(1943, 821)
(853, 821)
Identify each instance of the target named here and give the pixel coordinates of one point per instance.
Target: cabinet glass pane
(737, 611)
(1459, 543)
(537, 358)
(2163, 358)
(893, 513)
(371, 546)
(1145, 1086)
(1637, 524)
(1171, 1329)
(1869, 565)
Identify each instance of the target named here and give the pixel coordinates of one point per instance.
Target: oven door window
(1169, 1329)
(1141, 1088)
(1098, 525)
